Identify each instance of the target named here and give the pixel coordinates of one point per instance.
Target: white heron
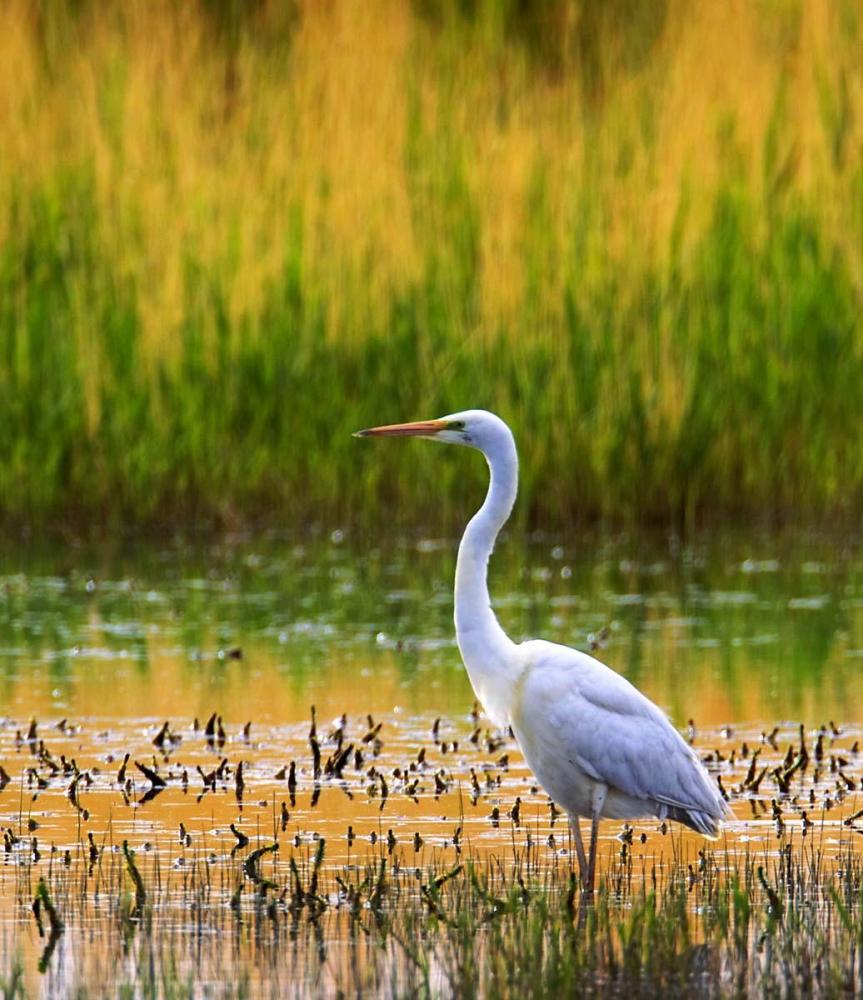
(598, 746)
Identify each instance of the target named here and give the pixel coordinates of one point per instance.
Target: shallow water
(740, 630)
(100, 647)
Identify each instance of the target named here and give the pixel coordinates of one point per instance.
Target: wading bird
(598, 746)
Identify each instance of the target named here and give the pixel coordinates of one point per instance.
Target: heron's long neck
(487, 651)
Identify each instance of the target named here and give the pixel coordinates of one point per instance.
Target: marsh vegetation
(234, 233)
(415, 853)
(239, 764)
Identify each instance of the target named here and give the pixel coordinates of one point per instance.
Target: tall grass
(231, 234)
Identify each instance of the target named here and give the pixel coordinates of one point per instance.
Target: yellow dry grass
(198, 149)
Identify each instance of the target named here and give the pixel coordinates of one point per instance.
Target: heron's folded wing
(616, 735)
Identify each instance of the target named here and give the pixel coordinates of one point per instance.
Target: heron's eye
(455, 425)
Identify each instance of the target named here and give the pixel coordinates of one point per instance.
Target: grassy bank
(232, 235)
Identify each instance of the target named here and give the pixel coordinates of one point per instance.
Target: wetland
(254, 766)
(250, 764)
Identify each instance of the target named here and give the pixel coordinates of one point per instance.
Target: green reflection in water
(734, 627)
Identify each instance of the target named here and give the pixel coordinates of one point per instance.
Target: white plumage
(579, 723)
(597, 745)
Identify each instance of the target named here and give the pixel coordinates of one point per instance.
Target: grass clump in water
(718, 925)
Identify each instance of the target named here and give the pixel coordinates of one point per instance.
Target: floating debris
(156, 780)
(242, 839)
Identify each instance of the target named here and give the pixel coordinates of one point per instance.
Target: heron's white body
(585, 730)
(597, 745)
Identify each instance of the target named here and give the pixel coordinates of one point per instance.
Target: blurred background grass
(234, 231)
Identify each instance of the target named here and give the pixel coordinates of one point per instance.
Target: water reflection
(99, 647)
(731, 628)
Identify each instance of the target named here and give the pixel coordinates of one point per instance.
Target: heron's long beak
(420, 428)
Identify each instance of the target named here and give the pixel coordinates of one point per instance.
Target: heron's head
(474, 428)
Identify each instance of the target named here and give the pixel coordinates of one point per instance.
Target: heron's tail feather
(704, 823)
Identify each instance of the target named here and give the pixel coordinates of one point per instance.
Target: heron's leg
(597, 802)
(579, 847)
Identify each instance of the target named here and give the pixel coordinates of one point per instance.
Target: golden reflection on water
(737, 655)
(259, 687)
(433, 791)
